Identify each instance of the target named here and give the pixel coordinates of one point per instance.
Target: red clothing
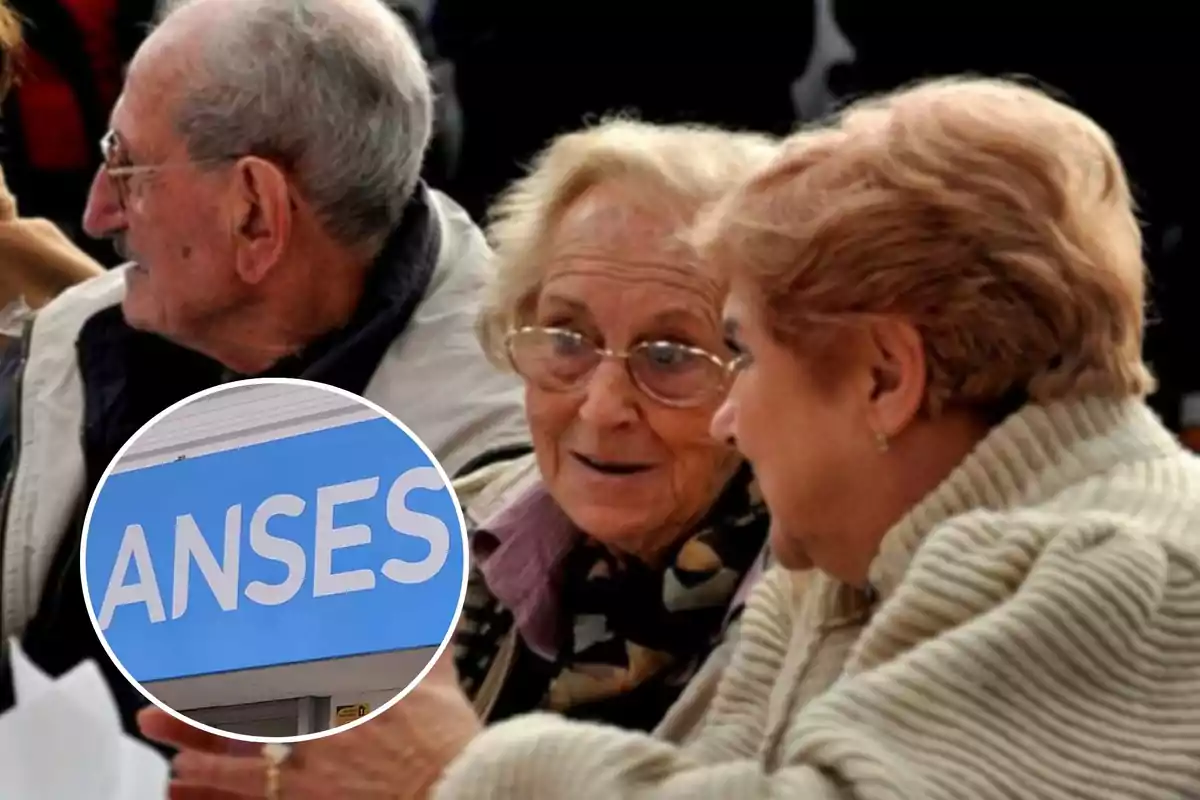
(97, 21)
(56, 139)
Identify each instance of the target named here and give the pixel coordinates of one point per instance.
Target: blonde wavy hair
(685, 166)
(994, 217)
(10, 45)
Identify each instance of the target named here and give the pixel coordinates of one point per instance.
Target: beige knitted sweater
(1037, 636)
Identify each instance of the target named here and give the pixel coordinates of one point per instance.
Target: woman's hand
(399, 754)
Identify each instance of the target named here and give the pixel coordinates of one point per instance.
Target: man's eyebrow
(130, 153)
(123, 149)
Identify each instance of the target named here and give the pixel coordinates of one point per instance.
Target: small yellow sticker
(345, 714)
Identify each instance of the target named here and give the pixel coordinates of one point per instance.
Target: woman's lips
(612, 467)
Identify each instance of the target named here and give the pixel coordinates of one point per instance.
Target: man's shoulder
(453, 218)
(435, 376)
(67, 313)
(464, 258)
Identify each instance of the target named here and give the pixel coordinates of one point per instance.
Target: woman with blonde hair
(37, 261)
(608, 561)
(989, 545)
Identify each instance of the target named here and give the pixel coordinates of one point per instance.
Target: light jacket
(434, 377)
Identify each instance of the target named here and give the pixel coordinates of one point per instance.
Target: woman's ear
(899, 375)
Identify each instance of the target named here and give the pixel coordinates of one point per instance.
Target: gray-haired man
(262, 176)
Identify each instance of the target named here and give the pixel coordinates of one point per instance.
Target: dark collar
(129, 376)
(396, 284)
(524, 550)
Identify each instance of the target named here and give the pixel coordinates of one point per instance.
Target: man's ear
(899, 373)
(262, 220)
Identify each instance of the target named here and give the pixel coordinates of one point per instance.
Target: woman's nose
(103, 214)
(609, 399)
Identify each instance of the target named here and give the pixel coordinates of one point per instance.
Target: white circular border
(307, 737)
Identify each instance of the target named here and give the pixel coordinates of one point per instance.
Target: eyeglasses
(674, 374)
(119, 170)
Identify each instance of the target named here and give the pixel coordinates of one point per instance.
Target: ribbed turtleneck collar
(1034, 454)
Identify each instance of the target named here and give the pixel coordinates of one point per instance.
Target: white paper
(13, 318)
(63, 741)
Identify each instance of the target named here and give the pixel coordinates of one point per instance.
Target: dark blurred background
(512, 74)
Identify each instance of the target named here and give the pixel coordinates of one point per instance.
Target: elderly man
(262, 176)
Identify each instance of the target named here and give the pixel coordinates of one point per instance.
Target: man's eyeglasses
(119, 170)
(674, 374)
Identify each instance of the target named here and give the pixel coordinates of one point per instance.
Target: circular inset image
(272, 560)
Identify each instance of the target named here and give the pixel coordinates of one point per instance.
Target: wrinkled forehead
(618, 244)
(634, 232)
(623, 210)
(157, 80)
(140, 132)
(628, 234)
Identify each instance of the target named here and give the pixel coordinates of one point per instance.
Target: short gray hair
(335, 90)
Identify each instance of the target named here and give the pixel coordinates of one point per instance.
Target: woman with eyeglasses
(608, 560)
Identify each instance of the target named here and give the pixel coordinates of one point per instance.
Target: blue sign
(334, 543)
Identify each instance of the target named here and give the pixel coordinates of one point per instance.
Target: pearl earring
(881, 441)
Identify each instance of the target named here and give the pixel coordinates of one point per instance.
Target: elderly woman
(993, 545)
(607, 561)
